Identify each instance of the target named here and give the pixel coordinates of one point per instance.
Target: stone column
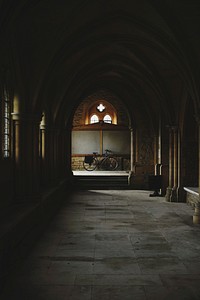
(136, 146)
(175, 130)
(56, 154)
(26, 156)
(68, 152)
(43, 155)
(63, 152)
(180, 191)
(52, 155)
(132, 156)
(53, 162)
(132, 159)
(169, 188)
(155, 152)
(173, 197)
(157, 155)
(196, 216)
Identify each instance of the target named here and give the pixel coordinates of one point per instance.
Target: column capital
(42, 126)
(15, 116)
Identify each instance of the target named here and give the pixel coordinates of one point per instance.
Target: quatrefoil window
(101, 107)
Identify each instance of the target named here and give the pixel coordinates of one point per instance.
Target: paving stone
(87, 253)
(161, 266)
(117, 265)
(72, 267)
(105, 253)
(50, 292)
(173, 293)
(113, 245)
(118, 280)
(118, 293)
(180, 280)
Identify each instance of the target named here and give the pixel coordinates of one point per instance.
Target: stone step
(106, 182)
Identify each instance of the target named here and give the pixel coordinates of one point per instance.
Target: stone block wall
(77, 163)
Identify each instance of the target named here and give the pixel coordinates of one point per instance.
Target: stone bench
(192, 195)
(192, 198)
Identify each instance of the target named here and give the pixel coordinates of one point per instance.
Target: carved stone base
(171, 194)
(181, 195)
(131, 178)
(196, 216)
(168, 194)
(173, 197)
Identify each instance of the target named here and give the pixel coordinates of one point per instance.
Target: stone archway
(88, 138)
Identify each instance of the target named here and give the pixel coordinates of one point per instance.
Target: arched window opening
(101, 112)
(94, 119)
(107, 119)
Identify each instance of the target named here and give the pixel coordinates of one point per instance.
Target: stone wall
(77, 163)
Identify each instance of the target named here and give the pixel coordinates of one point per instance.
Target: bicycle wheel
(110, 164)
(91, 165)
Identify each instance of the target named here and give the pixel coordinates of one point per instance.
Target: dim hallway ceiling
(60, 52)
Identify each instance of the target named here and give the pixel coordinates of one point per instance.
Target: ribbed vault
(63, 52)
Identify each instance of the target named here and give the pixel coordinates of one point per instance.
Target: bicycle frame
(108, 162)
(101, 160)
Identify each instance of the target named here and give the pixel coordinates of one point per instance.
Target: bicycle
(108, 162)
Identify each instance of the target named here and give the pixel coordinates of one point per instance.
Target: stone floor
(113, 245)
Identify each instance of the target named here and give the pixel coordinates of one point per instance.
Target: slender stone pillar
(43, 154)
(196, 216)
(155, 152)
(136, 146)
(68, 151)
(56, 154)
(132, 159)
(175, 130)
(169, 188)
(180, 191)
(26, 156)
(52, 159)
(173, 197)
(63, 152)
(132, 156)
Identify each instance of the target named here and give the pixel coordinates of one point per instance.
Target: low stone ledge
(192, 195)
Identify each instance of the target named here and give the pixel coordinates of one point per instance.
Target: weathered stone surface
(113, 245)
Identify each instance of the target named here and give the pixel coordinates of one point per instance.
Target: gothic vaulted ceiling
(145, 52)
